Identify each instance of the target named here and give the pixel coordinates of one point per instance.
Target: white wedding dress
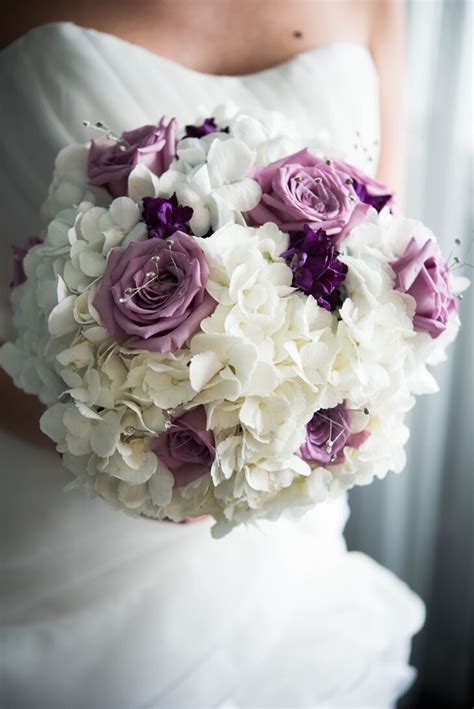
(102, 611)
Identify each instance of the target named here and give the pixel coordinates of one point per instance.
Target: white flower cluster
(211, 174)
(262, 364)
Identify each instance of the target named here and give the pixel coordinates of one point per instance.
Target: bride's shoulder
(20, 19)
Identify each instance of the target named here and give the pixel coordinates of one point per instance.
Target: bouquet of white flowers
(223, 321)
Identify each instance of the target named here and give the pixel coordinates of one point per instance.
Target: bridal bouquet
(222, 320)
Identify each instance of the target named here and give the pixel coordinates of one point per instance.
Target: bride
(107, 612)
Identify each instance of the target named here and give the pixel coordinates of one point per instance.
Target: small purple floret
(377, 201)
(164, 217)
(209, 126)
(19, 253)
(317, 270)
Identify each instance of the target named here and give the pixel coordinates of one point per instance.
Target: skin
(231, 37)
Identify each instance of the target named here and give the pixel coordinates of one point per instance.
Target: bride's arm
(387, 47)
(20, 413)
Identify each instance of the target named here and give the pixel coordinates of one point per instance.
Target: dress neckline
(107, 36)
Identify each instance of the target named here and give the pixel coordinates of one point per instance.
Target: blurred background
(420, 523)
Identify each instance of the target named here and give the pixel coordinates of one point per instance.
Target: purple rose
(154, 292)
(19, 253)
(370, 191)
(316, 268)
(304, 189)
(423, 273)
(187, 448)
(328, 433)
(111, 164)
(164, 217)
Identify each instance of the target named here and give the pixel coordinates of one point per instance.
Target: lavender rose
(19, 253)
(111, 164)
(316, 268)
(423, 273)
(164, 217)
(305, 189)
(328, 433)
(154, 292)
(187, 448)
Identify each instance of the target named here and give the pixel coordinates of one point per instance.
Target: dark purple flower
(369, 190)
(19, 253)
(209, 126)
(111, 164)
(422, 272)
(377, 201)
(165, 216)
(187, 448)
(316, 267)
(154, 293)
(328, 433)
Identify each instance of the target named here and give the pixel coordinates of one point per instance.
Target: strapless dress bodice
(77, 71)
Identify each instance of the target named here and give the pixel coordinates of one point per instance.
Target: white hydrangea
(160, 379)
(369, 249)
(269, 134)
(81, 247)
(69, 186)
(212, 176)
(55, 304)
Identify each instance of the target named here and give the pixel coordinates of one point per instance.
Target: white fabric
(103, 611)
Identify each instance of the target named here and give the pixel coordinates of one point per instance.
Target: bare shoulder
(387, 33)
(387, 46)
(21, 17)
(18, 18)
(387, 20)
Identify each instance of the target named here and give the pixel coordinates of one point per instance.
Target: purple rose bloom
(423, 273)
(164, 217)
(370, 191)
(316, 267)
(111, 164)
(305, 189)
(209, 126)
(19, 253)
(187, 448)
(328, 433)
(154, 292)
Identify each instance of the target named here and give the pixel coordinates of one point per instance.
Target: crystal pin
(101, 127)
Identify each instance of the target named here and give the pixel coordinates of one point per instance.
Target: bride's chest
(235, 38)
(220, 37)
